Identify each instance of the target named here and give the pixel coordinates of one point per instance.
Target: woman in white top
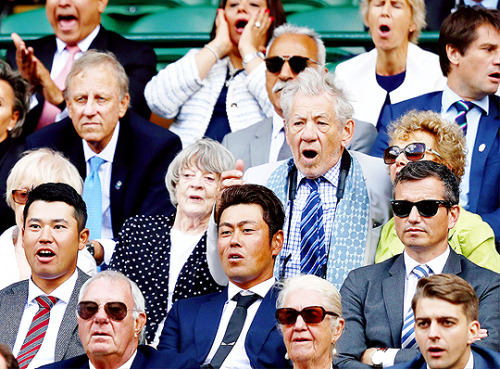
(220, 88)
(34, 168)
(397, 69)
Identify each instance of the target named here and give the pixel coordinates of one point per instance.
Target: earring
(286, 356)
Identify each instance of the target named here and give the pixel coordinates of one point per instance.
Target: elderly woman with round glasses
(309, 314)
(34, 168)
(426, 136)
(167, 257)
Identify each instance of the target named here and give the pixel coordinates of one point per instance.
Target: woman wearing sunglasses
(220, 88)
(309, 314)
(426, 136)
(34, 168)
(396, 69)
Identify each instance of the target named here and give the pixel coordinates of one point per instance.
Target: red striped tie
(37, 330)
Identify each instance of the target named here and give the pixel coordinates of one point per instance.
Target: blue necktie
(408, 332)
(462, 108)
(313, 252)
(92, 196)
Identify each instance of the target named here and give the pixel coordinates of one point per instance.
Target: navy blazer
(143, 153)
(373, 299)
(138, 59)
(484, 188)
(483, 359)
(192, 324)
(146, 358)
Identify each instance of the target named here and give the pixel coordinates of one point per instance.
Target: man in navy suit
(469, 53)
(250, 220)
(77, 23)
(135, 153)
(376, 299)
(446, 326)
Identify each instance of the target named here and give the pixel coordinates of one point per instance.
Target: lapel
(100, 42)
(261, 142)
(487, 133)
(207, 322)
(69, 324)
(393, 287)
(46, 52)
(12, 311)
(452, 265)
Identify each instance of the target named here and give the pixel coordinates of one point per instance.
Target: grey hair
(137, 296)
(21, 95)
(94, 58)
(417, 16)
(206, 154)
(308, 282)
(287, 28)
(313, 82)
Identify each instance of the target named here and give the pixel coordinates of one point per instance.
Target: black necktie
(233, 328)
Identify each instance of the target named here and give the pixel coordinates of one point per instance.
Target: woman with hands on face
(220, 88)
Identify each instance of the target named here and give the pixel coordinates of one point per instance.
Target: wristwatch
(377, 358)
(249, 57)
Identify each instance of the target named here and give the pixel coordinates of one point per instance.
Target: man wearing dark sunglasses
(469, 54)
(54, 230)
(376, 299)
(291, 50)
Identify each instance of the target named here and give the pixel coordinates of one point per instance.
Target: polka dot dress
(142, 253)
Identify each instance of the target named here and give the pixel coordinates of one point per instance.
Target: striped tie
(313, 251)
(462, 108)
(408, 332)
(92, 195)
(36, 332)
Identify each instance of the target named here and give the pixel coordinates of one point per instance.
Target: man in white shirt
(376, 299)
(54, 231)
(235, 328)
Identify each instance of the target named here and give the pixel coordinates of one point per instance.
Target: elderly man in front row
(336, 200)
(446, 310)
(235, 328)
(376, 299)
(111, 316)
(122, 156)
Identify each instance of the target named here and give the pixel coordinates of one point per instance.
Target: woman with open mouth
(397, 69)
(220, 88)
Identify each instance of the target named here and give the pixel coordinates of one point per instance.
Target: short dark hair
(459, 30)
(417, 170)
(55, 192)
(451, 288)
(272, 209)
(10, 360)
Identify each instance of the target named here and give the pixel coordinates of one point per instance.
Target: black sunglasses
(426, 208)
(296, 63)
(310, 314)
(413, 152)
(115, 310)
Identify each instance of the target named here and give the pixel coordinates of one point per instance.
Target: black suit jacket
(139, 61)
(373, 299)
(143, 153)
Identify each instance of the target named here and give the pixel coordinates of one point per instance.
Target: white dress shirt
(46, 353)
(237, 358)
(105, 176)
(277, 137)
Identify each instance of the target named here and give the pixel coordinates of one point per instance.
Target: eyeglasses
(115, 310)
(20, 196)
(426, 208)
(413, 152)
(296, 63)
(310, 314)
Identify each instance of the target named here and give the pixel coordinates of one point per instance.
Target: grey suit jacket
(253, 143)
(372, 305)
(12, 301)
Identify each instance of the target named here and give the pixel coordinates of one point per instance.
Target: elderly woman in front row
(309, 312)
(167, 257)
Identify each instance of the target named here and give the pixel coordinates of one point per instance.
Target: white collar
(126, 365)
(278, 124)
(108, 152)
(260, 289)
(62, 292)
(436, 264)
(450, 97)
(83, 44)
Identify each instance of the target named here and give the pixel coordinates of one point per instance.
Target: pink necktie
(50, 111)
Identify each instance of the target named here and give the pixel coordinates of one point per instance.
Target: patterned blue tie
(313, 252)
(462, 108)
(408, 332)
(92, 196)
